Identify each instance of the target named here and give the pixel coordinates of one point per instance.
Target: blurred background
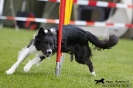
(117, 11)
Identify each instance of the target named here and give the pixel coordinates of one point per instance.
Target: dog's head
(45, 42)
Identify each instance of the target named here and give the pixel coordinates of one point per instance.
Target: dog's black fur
(74, 41)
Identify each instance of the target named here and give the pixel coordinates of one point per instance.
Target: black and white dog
(74, 41)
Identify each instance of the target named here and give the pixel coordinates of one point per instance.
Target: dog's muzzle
(48, 52)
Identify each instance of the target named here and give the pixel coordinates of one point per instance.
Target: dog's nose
(49, 51)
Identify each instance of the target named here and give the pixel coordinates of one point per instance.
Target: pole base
(57, 69)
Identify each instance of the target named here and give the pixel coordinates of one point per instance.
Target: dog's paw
(93, 73)
(10, 71)
(27, 67)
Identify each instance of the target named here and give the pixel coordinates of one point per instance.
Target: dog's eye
(45, 43)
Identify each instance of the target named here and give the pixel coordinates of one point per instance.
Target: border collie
(74, 41)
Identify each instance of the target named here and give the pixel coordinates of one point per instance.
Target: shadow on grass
(51, 73)
(18, 73)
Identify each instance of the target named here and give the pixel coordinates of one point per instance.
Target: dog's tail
(103, 44)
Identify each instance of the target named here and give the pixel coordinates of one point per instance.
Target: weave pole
(68, 10)
(66, 6)
(61, 22)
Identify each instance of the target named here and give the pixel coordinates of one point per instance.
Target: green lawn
(113, 65)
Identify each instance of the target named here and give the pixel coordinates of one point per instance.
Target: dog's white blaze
(31, 62)
(49, 50)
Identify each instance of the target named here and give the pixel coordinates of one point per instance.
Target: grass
(114, 64)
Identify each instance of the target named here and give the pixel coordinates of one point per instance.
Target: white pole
(1, 11)
(13, 14)
(23, 6)
(1, 6)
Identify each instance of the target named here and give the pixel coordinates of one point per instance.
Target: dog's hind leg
(87, 61)
(32, 62)
(21, 57)
(90, 65)
(82, 55)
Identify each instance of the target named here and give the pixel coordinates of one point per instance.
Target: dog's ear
(41, 32)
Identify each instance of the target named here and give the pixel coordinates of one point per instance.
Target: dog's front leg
(32, 62)
(25, 53)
